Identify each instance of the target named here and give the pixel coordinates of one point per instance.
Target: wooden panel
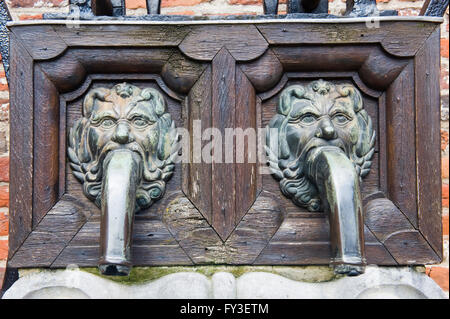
(427, 97)
(401, 166)
(181, 73)
(52, 234)
(222, 94)
(396, 37)
(35, 40)
(406, 245)
(410, 248)
(21, 141)
(197, 174)
(246, 167)
(69, 71)
(130, 35)
(223, 116)
(265, 72)
(304, 241)
(203, 244)
(46, 142)
(384, 218)
(204, 42)
(332, 57)
(152, 245)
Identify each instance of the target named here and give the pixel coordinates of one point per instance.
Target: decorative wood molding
(396, 67)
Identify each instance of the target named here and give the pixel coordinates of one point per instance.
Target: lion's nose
(326, 130)
(122, 134)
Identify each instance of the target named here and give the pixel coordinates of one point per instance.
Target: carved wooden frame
(396, 65)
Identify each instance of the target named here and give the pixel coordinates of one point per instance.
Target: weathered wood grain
(181, 73)
(223, 115)
(46, 142)
(132, 35)
(400, 93)
(204, 42)
(395, 37)
(52, 234)
(410, 248)
(197, 174)
(264, 73)
(152, 245)
(245, 146)
(383, 218)
(375, 67)
(427, 108)
(401, 164)
(21, 145)
(35, 40)
(203, 244)
(390, 226)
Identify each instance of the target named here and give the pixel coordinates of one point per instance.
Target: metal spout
(122, 174)
(338, 183)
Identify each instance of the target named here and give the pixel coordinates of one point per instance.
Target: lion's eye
(107, 123)
(140, 122)
(308, 118)
(340, 118)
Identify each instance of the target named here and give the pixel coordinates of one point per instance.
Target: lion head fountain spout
(319, 146)
(121, 150)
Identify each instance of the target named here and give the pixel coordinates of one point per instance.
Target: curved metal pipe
(338, 184)
(122, 174)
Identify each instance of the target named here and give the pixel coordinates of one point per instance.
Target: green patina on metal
(319, 145)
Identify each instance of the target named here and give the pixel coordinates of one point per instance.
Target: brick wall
(33, 9)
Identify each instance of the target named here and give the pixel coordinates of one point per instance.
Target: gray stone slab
(375, 283)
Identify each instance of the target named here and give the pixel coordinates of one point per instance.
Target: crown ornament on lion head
(124, 117)
(312, 116)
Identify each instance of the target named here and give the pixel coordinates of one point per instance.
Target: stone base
(375, 283)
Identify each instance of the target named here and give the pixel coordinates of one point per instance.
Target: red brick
(3, 249)
(444, 78)
(178, 3)
(440, 276)
(444, 48)
(445, 225)
(408, 12)
(245, 2)
(4, 169)
(228, 13)
(135, 4)
(30, 17)
(3, 87)
(4, 225)
(445, 195)
(31, 3)
(4, 111)
(445, 162)
(4, 196)
(2, 275)
(183, 13)
(444, 140)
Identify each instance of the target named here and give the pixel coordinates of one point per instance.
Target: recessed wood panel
(214, 213)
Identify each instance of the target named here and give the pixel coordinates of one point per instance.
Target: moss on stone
(139, 275)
